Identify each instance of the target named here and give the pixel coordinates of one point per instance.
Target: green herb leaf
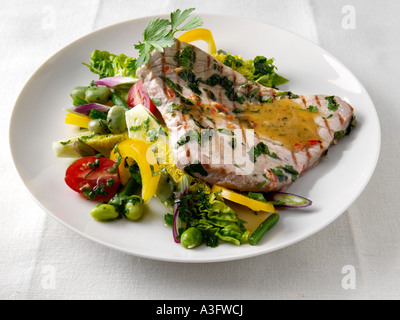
(159, 33)
(196, 168)
(257, 196)
(259, 149)
(313, 108)
(332, 103)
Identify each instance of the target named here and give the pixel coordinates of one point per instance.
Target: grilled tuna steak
(233, 132)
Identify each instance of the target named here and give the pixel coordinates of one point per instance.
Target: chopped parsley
(177, 90)
(196, 168)
(186, 58)
(257, 196)
(332, 103)
(290, 170)
(135, 128)
(114, 168)
(110, 182)
(288, 94)
(178, 107)
(96, 191)
(260, 149)
(64, 143)
(226, 131)
(85, 138)
(157, 101)
(313, 108)
(227, 84)
(279, 174)
(191, 135)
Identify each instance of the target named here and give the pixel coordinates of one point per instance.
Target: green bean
(169, 219)
(116, 119)
(96, 114)
(104, 212)
(118, 101)
(134, 208)
(191, 238)
(98, 94)
(262, 229)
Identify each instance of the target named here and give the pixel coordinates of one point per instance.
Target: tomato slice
(92, 179)
(138, 95)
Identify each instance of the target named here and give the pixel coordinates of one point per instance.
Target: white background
(41, 259)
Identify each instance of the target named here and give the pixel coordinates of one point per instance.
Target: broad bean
(116, 119)
(98, 126)
(104, 212)
(98, 94)
(78, 92)
(191, 238)
(134, 208)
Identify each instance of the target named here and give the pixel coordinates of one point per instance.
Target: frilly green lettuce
(106, 64)
(216, 220)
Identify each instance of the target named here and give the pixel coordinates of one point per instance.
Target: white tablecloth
(356, 257)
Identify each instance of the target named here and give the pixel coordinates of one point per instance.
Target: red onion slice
(178, 224)
(86, 108)
(112, 82)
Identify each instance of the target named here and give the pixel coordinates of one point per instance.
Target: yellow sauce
(284, 121)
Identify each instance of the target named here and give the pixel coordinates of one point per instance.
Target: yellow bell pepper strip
(200, 34)
(139, 151)
(236, 197)
(81, 121)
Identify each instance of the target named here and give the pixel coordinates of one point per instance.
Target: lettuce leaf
(106, 64)
(215, 219)
(259, 69)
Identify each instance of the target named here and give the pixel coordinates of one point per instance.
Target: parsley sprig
(159, 33)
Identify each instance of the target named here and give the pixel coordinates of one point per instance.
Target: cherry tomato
(92, 179)
(138, 95)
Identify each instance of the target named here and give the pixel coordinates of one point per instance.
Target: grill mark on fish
(304, 101)
(208, 62)
(294, 158)
(328, 126)
(341, 118)
(318, 101)
(164, 86)
(234, 83)
(259, 93)
(309, 156)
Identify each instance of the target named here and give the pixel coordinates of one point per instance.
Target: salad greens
(207, 211)
(108, 65)
(259, 69)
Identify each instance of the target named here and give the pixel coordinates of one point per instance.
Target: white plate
(38, 120)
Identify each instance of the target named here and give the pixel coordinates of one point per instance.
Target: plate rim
(327, 222)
